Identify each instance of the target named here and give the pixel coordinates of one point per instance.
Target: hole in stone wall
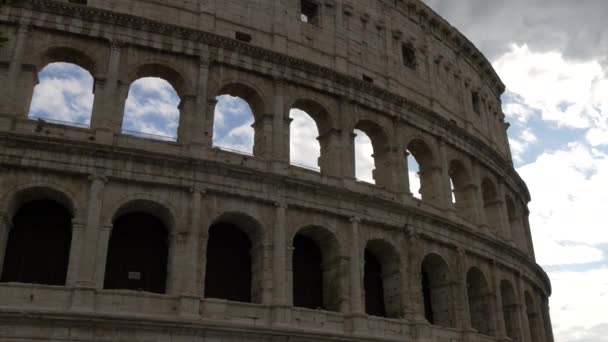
(38, 246)
(374, 286)
(304, 146)
(64, 95)
(232, 125)
(137, 254)
(307, 274)
(309, 12)
(152, 110)
(408, 53)
(364, 160)
(414, 175)
(229, 264)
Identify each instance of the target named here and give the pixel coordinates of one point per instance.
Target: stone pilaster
(186, 130)
(334, 154)
(103, 241)
(463, 316)
(106, 119)
(200, 134)
(443, 187)
(526, 334)
(357, 304)
(86, 259)
(280, 127)
(503, 213)
(19, 85)
(477, 198)
(497, 303)
(279, 267)
(190, 296)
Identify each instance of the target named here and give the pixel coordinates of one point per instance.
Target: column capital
(94, 177)
(355, 219)
(280, 205)
(196, 189)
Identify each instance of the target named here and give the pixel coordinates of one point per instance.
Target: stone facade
(452, 270)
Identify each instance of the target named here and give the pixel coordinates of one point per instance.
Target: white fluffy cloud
(65, 93)
(364, 162)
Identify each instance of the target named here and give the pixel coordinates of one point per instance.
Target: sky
(553, 57)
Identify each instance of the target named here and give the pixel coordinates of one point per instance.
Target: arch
(233, 244)
(423, 155)
(437, 291)
(66, 54)
(463, 194)
(147, 204)
(138, 247)
(153, 107)
(233, 125)
(251, 116)
(382, 280)
(71, 89)
(479, 296)
(161, 69)
(302, 129)
(38, 244)
(29, 192)
(491, 208)
(316, 269)
(534, 319)
(510, 310)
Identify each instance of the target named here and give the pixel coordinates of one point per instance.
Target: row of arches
(313, 143)
(39, 242)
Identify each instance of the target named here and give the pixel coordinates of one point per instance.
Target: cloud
(232, 124)
(364, 162)
(304, 146)
(152, 108)
(65, 93)
(576, 28)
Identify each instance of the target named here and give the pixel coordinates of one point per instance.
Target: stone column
(103, 240)
(503, 216)
(77, 247)
(5, 228)
(279, 267)
(190, 296)
(499, 320)
(334, 154)
(443, 187)
(187, 117)
(463, 316)
(86, 262)
(84, 248)
(477, 198)
(357, 309)
(19, 85)
(106, 119)
(525, 333)
(280, 128)
(209, 118)
(416, 312)
(201, 135)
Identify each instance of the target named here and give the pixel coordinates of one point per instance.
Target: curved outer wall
(394, 69)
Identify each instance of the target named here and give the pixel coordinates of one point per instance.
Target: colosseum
(110, 236)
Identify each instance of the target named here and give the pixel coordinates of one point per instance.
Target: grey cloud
(576, 28)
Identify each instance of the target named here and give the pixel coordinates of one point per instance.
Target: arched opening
(437, 291)
(228, 274)
(316, 270)
(374, 286)
(534, 323)
(232, 246)
(490, 203)
(421, 167)
(509, 310)
(307, 273)
(462, 190)
(137, 253)
(381, 280)
(235, 123)
(371, 167)
(479, 301)
(306, 145)
(38, 245)
(152, 109)
(64, 95)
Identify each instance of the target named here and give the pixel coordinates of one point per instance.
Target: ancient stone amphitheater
(107, 236)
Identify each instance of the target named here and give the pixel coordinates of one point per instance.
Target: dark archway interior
(307, 273)
(228, 274)
(426, 293)
(374, 286)
(137, 254)
(38, 247)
